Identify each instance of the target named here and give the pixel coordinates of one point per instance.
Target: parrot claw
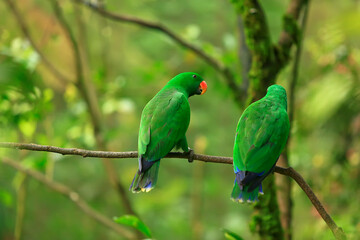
(190, 155)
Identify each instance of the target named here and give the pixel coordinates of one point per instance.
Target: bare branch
(291, 33)
(287, 37)
(244, 57)
(267, 59)
(56, 73)
(89, 95)
(21, 192)
(263, 70)
(107, 154)
(295, 68)
(73, 196)
(338, 232)
(217, 65)
(80, 79)
(284, 184)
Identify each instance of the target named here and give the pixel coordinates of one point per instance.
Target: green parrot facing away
(163, 126)
(261, 135)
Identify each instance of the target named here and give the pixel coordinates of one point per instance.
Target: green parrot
(163, 126)
(261, 135)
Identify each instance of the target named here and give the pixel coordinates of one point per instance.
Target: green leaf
(135, 222)
(231, 235)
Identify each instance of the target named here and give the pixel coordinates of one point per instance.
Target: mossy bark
(267, 61)
(259, 42)
(266, 216)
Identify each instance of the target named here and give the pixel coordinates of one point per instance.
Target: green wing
(164, 122)
(261, 135)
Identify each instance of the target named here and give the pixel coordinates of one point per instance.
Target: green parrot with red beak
(261, 135)
(163, 126)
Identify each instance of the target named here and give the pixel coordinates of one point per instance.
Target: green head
(189, 82)
(278, 92)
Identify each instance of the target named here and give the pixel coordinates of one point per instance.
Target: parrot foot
(190, 155)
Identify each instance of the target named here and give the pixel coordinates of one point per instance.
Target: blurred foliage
(128, 65)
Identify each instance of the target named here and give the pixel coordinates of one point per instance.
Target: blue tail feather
(146, 177)
(261, 189)
(241, 190)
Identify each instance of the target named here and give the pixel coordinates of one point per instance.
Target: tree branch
(291, 33)
(261, 75)
(56, 73)
(217, 65)
(61, 77)
(21, 192)
(89, 95)
(295, 68)
(284, 184)
(73, 196)
(244, 57)
(106, 154)
(287, 37)
(80, 79)
(338, 232)
(258, 40)
(267, 59)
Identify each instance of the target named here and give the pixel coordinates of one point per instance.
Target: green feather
(261, 135)
(163, 126)
(166, 121)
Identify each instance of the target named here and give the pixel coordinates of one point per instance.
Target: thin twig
(338, 232)
(293, 10)
(73, 196)
(257, 35)
(107, 154)
(217, 65)
(21, 193)
(89, 94)
(284, 184)
(80, 79)
(244, 57)
(295, 69)
(56, 73)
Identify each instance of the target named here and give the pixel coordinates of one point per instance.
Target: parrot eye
(194, 76)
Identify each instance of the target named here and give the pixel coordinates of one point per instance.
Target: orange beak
(203, 87)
